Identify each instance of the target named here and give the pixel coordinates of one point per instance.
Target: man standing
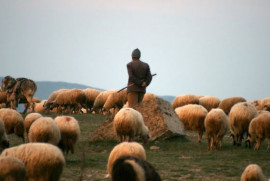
(139, 78)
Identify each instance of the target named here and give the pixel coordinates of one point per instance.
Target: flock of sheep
(50, 140)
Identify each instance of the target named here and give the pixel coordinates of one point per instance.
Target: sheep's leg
(209, 142)
(200, 132)
(268, 146)
(258, 144)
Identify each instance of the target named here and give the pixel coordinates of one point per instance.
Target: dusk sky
(203, 47)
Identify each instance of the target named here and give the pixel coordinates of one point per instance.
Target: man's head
(136, 54)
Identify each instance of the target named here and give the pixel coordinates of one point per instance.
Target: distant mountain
(45, 88)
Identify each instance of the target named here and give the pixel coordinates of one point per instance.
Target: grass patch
(179, 158)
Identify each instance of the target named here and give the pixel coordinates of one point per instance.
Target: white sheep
(4, 143)
(70, 132)
(129, 123)
(209, 102)
(11, 168)
(259, 128)
(216, 124)
(29, 119)
(14, 122)
(239, 118)
(185, 99)
(71, 100)
(115, 100)
(101, 99)
(44, 129)
(130, 167)
(192, 115)
(125, 148)
(91, 95)
(38, 106)
(42, 161)
(49, 103)
(253, 172)
(227, 104)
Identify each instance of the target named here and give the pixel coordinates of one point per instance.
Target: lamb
(239, 118)
(216, 124)
(129, 123)
(115, 100)
(91, 95)
(253, 172)
(259, 128)
(38, 107)
(11, 168)
(125, 148)
(209, 102)
(13, 121)
(4, 143)
(42, 161)
(70, 132)
(184, 100)
(227, 104)
(44, 129)
(29, 119)
(133, 168)
(193, 115)
(101, 99)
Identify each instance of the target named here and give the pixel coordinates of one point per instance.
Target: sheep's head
(7, 83)
(145, 135)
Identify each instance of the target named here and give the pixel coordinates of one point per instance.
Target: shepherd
(139, 78)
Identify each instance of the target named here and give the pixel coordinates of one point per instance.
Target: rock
(154, 148)
(159, 116)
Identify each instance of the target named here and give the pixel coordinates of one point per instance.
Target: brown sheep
(259, 128)
(227, 104)
(193, 116)
(216, 124)
(29, 119)
(51, 99)
(239, 118)
(101, 99)
(184, 100)
(116, 100)
(209, 102)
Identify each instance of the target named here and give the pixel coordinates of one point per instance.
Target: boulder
(159, 116)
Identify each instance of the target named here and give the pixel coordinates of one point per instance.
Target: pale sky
(204, 47)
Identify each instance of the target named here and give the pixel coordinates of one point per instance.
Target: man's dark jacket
(138, 72)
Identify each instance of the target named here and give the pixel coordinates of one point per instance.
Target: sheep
(129, 123)
(184, 100)
(125, 148)
(253, 172)
(265, 104)
(11, 168)
(149, 96)
(72, 98)
(239, 118)
(3, 98)
(216, 124)
(192, 115)
(48, 104)
(38, 106)
(4, 142)
(101, 99)
(227, 104)
(115, 100)
(70, 132)
(91, 95)
(209, 102)
(14, 122)
(133, 168)
(29, 119)
(44, 129)
(259, 128)
(42, 161)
